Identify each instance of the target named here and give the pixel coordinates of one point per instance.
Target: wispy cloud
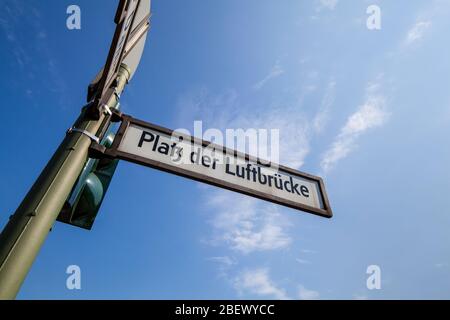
(9, 20)
(322, 116)
(327, 4)
(240, 224)
(276, 71)
(16, 19)
(417, 32)
(226, 111)
(308, 251)
(305, 252)
(250, 225)
(224, 263)
(369, 115)
(302, 261)
(306, 294)
(247, 225)
(258, 282)
(441, 265)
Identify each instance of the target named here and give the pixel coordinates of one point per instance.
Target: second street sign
(163, 149)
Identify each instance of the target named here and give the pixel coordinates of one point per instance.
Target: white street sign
(132, 18)
(163, 149)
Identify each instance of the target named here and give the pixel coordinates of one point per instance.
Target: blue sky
(369, 110)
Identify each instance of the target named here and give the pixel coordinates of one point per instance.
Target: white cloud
(295, 134)
(306, 294)
(28, 52)
(302, 261)
(417, 31)
(224, 263)
(308, 251)
(304, 253)
(321, 119)
(247, 226)
(441, 265)
(328, 4)
(369, 115)
(276, 71)
(244, 224)
(226, 111)
(259, 283)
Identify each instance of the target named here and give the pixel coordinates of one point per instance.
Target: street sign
(132, 19)
(132, 50)
(136, 41)
(163, 149)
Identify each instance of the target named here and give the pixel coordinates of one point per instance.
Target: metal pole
(27, 229)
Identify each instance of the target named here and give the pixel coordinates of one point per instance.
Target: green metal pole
(27, 229)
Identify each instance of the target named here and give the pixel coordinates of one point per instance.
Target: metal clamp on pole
(86, 133)
(106, 109)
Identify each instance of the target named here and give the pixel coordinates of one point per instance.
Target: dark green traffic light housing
(84, 202)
